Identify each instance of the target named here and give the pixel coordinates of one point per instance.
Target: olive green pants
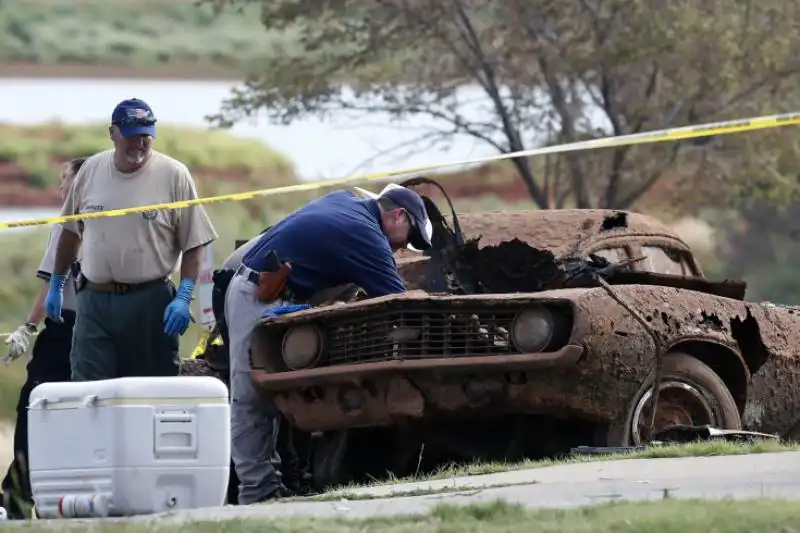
(122, 335)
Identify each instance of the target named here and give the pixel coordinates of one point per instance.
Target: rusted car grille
(419, 334)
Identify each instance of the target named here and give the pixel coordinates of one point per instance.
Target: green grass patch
(667, 516)
(136, 33)
(656, 451)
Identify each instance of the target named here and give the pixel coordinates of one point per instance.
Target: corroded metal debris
(511, 266)
(515, 266)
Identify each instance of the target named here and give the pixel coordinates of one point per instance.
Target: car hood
(422, 296)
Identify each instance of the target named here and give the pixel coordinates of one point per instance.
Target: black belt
(123, 288)
(248, 273)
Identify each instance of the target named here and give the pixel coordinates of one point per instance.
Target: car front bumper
(380, 393)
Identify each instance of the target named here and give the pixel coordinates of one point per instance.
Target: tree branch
(651, 180)
(490, 86)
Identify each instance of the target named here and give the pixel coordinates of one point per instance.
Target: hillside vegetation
(136, 34)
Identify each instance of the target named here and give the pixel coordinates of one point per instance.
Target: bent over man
(130, 316)
(331, 241)
(49, 361)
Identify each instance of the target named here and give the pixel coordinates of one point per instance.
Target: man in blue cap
(336, 239)
(130, 316)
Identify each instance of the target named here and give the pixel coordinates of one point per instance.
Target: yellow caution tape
(201, 343)
(672, 134)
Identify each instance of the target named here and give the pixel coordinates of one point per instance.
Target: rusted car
(530, 371)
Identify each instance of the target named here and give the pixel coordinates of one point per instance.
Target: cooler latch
(175, 435)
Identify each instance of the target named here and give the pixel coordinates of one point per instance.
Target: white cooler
(128, 446)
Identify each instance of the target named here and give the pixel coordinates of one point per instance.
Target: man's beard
(134, 157)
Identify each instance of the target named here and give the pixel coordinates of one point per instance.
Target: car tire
(685, 375)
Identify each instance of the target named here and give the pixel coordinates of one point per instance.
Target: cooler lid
(155, 390)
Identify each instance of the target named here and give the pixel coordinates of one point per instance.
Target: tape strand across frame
(672, 134)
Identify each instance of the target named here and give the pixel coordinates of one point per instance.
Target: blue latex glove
(282, 310)
(55, 297)
(176, 315)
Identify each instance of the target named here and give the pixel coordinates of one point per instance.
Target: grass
(667, 516)
(696, 449)
(134, 33)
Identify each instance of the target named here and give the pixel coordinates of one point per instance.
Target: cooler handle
(175, 426)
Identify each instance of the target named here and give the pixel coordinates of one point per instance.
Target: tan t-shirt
(141, 246)
(46, 269)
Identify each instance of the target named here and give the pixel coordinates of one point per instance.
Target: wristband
(185, 290)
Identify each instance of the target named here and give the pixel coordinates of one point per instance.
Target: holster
(272, 284)
(80, 282)
(78, 279)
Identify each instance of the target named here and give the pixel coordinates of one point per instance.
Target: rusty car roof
(554, 229)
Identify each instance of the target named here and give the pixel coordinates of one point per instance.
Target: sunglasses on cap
(136, 117)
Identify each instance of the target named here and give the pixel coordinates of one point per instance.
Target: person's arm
(194, 232)
(190, 263)
(370, 264)
(69, 242)
(19, 341)
(37, 314)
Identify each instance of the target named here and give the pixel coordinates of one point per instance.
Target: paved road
(746, 476)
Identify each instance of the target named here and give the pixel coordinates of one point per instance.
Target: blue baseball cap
(134, 117)
(421, 227)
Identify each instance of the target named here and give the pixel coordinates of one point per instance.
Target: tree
(544, 69)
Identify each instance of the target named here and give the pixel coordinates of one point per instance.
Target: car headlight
(302, 346)
(532, 329)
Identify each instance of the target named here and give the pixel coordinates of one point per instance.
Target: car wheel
(691, 394)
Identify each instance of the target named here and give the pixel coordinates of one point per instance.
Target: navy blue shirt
(333, 240)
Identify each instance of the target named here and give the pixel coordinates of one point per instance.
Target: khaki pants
(254, 419)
